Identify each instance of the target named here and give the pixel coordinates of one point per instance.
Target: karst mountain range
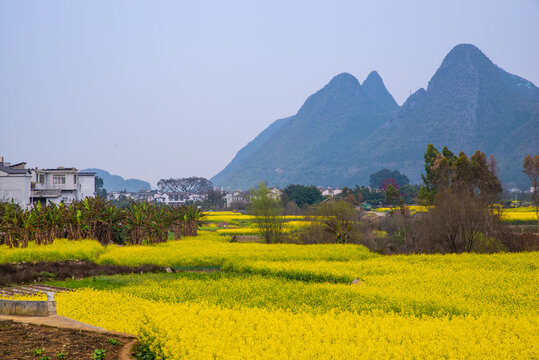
(347, 130)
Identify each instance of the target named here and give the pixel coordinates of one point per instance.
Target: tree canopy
(446, 171)
(195, 185)
(531, 169)
(100, 191)
(303, 195)
(383, 176)
(267, 212)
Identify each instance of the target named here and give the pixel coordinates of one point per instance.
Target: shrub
(267, 211)
(335, 221)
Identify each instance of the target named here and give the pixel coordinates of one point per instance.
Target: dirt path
(24, 337)
(27, 272)
(31, 290)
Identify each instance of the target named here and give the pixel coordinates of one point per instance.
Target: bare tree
(333, 221)
(457, 222)
(195, 185)
(214, 200)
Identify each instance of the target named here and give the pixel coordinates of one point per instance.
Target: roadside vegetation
(96, 218)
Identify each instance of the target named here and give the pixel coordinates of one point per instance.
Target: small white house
(15, 183)
(236, 197)
(330, 192)
(61, 185)
(178, 198)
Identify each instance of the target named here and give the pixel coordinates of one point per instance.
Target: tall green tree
(462, 191)
(531, 169)
(444, 171)
(393, 195)
(303, 195)
(377, 179)
(100, 191)
(266, 208)
(427, 192)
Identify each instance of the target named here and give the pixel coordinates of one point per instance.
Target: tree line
(462, 194)
(96, 218)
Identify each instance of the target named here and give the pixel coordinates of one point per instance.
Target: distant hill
(249, 150)
(347, 130)
(310, 147)
(117, 183)
(470, 104)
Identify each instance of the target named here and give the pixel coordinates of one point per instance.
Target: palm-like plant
(136, 222)
(10, 224)
(96, 218)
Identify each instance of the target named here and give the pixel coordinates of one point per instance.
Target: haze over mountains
(118, 183)
(347, 130)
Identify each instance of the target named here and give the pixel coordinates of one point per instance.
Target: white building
(29, 186)
(15, 183)
(330, 192)
(116, 195)
(234, 198)
(275, 193)
(178, 198)
(61, 185)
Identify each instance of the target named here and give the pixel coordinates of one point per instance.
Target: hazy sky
(155, 89)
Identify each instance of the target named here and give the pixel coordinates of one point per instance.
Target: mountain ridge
(117, 183)
(346, 131)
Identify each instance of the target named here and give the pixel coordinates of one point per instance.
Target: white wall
(86, 186)
(16, 188)
(49, 183)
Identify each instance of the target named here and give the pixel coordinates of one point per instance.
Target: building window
(41, 178)
(74, 179)
(58, 179)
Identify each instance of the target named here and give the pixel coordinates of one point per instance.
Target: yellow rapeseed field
(460, 284)
(283, 301)
(412, 208)
(61, 249)
(230, 216)
(200, 330)
(519, 214)
(253, 230)
(210, 249)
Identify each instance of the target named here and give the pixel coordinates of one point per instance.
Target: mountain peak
(343, 88)
(374, 88)
(343, 131)
(343, 80)
(464, 69)
(465, 53)
(373, 77)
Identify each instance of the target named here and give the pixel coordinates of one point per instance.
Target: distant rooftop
(13, 169)
(10, 170)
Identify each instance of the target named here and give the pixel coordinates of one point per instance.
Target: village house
(29, 186)
(116, 195)
(15, 182)
(61, 185)
(178, 198)
(329, 191)
(275, 193)
(236, 198)
(157, 197)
